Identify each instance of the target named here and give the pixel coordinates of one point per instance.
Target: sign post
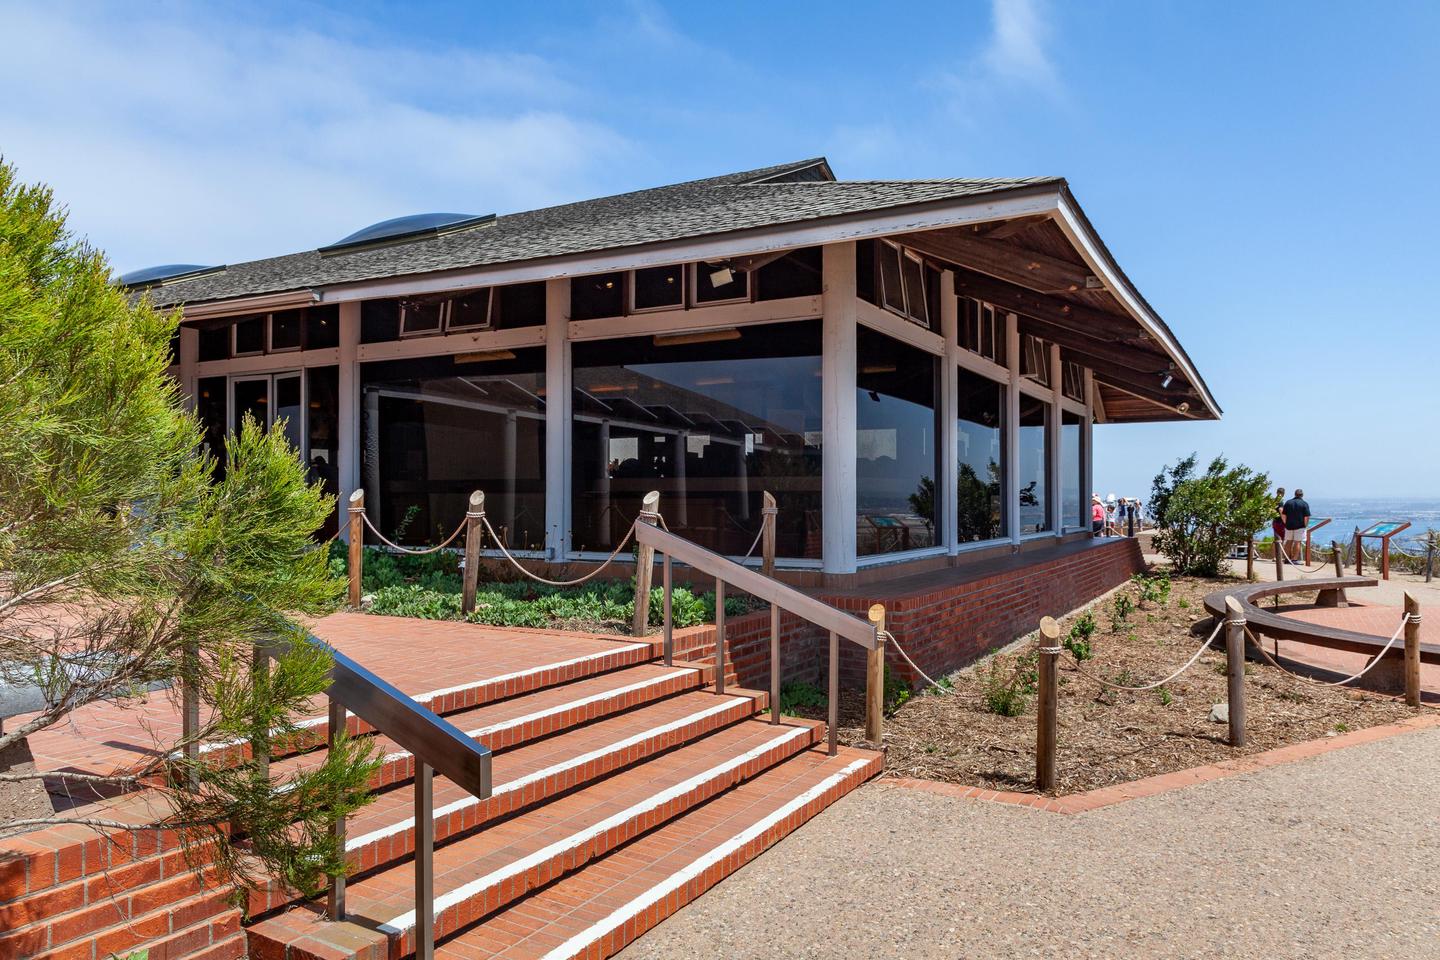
(1382, 531)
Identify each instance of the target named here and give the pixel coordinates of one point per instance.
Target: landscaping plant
(1077, 641)
(1200, 516)
(131, 563)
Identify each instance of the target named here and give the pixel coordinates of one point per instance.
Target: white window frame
(270, 336)
(1043, 350)
(448, 316)
(907, 313)
(234, 334)
(685, 288)
(438, 331)
(693, 284)
(996, 322)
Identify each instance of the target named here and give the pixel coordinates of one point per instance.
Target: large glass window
(436, 429)
(211, 404)
(980, 450)
(1034, 467)
(897, 460)
(711, 423)
(322, 430)
(1072, 467)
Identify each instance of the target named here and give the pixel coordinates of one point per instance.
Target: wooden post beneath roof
(769, 514)
(1235, 669)
(474, 538)
(1048, 710)
(1412, 650)
(875, 679)
(357, 544)
(645, 565)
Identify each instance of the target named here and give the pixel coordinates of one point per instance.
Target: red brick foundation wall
(942, 628)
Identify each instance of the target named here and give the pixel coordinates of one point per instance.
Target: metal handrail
(435, 744)
(781, 597)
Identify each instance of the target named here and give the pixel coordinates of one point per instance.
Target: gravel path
(1337, 856)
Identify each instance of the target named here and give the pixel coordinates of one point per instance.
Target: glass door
(270, 398)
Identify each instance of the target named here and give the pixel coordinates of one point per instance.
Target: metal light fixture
(1167, 377)
(721, 274)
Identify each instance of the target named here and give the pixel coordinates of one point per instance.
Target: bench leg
(1331, 598)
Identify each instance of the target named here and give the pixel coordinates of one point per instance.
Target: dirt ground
(1107, 736)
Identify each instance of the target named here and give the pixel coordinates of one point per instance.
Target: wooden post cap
(1232, 606)
(651, 501)
(1049, 628)
(357, 495)
(877, 613)
(477, 500)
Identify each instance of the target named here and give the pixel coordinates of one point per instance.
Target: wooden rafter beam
(1026, 268)
(1007, 228)
(1118, 358)
(1082, 319)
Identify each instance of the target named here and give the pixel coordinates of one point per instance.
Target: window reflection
(897, 461)
(1072, 465)
(1034, 466)
(711, 423)
(980, 446)
(438, 428)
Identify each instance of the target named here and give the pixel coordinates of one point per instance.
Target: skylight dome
(413, 227)
(149, 276)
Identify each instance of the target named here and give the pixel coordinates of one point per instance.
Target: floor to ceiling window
(980, 451)
(1072, 467)
(438, 428)
(711, 420)
(1034, 466)
(897, 458)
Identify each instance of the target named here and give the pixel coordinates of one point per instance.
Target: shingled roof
(782, 194)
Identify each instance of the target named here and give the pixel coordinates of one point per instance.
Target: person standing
(1097, 516)
(1297, 519)
(1277, 520)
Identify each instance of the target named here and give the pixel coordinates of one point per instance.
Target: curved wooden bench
(1287, 628)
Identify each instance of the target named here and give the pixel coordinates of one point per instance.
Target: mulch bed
(1108, 737)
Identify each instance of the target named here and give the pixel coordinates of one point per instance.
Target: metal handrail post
(833, 719)
(774, 663)
(335, 905)
(719, 636)
(665, 606)
(424, 861)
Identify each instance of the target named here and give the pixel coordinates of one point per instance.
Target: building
(911, 368)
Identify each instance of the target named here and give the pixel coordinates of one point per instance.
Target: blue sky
(1266, 173)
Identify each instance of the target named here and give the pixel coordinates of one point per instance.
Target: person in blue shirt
(1297, 518)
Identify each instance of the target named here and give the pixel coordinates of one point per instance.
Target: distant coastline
(1350, 513)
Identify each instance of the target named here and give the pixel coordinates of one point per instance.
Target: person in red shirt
(1097, 515)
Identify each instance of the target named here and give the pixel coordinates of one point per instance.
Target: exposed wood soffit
(1083, 320)
(1027, 268)
(1007, 228)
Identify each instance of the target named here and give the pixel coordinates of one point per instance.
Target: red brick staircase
(623, 789)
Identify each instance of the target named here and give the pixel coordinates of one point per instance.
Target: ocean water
(1348, 514)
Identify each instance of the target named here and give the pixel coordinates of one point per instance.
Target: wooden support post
(769, 513)
(474, 539)
(645, 565)
(1250, 557)
(1047, 722)
(1235, 669)
(1384, 558)
(357, 544)
(875, 679)
(1412, 650)
(1429, 562)
(1339, 558)
(1279, 560)
(1359, 555)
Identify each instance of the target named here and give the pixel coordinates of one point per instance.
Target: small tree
(1199, 517)
(128, 564)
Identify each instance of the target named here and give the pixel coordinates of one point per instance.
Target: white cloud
(1017, 48)
(211, 140)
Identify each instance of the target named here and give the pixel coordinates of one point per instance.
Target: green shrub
(1199, 517)
(1120, 611)
(801, 696)
(1004, 690)
(1154, 589)
(1078, 640)
(897, 691)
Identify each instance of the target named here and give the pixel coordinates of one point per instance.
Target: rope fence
(1160, 683)
(410, 551)
(1404, 619)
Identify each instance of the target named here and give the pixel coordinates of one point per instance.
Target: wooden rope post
(1279, 559)
(1047, 720)
(1412, 650)
(767, 538)
(1250, 557)
(474, 539)
(1235, 669)
(1359, 555)
(1339, 558)
(1429, 562)
(875, 679)
(357, 544)
(645, 565)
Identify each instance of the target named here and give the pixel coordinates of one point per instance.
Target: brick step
(484, 871)
(383, 831)
(510, 723)
(512, 676)
(597, 910)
